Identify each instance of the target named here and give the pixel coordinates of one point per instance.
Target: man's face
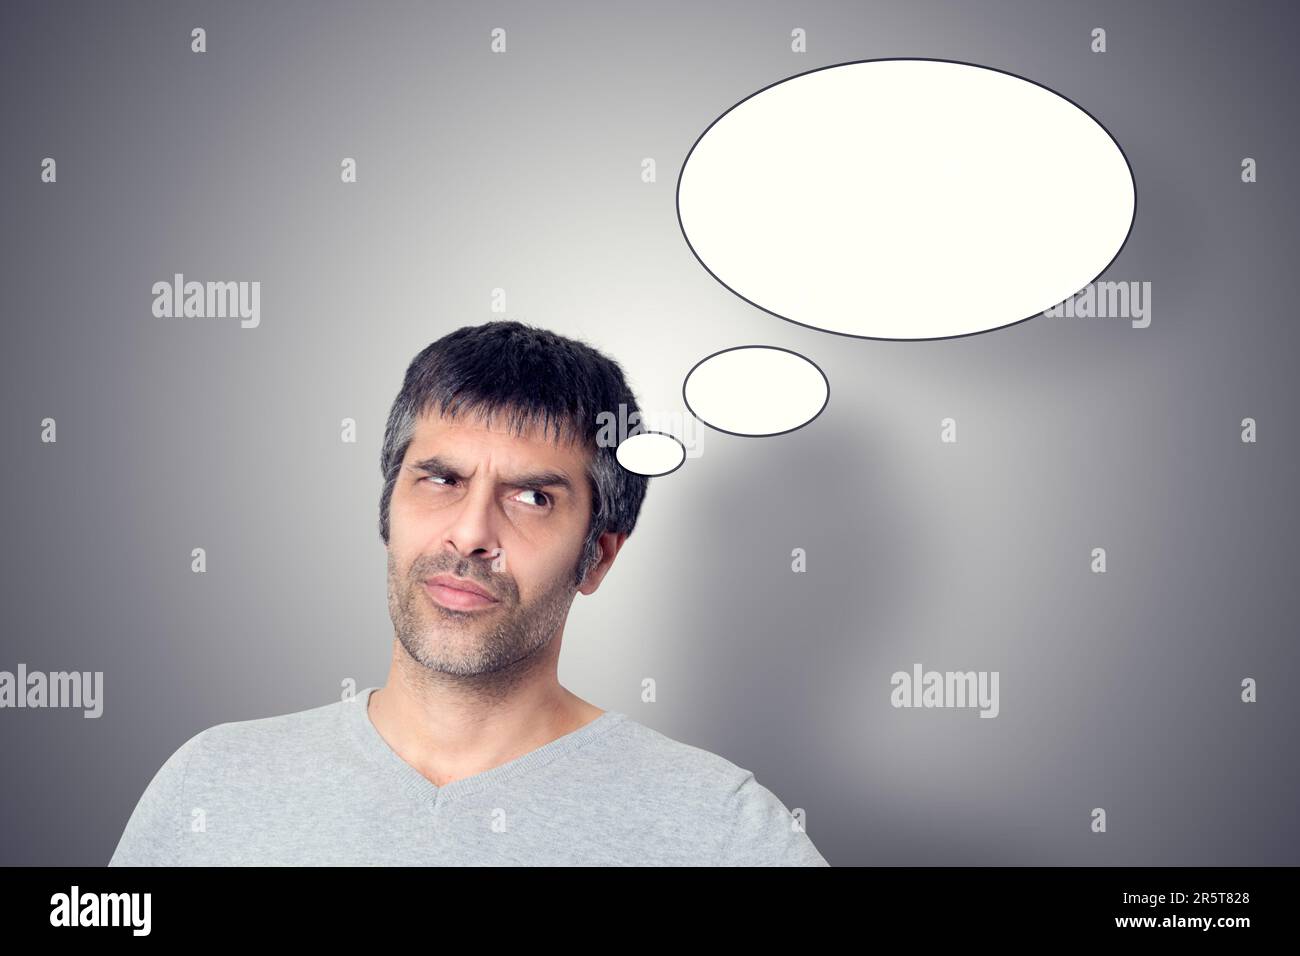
(490, 507)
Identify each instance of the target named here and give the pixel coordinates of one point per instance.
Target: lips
(460, 584)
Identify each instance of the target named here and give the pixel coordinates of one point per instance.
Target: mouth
(458, 594)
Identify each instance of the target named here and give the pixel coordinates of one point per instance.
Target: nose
(473, 528)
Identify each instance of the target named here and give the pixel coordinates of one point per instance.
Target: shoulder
(277, 738)
(748, 824)
(764, 832)
(216, 764)
(659, 751)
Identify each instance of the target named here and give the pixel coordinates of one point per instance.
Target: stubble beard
(471, 644)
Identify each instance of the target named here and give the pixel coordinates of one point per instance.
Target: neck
(449, 727)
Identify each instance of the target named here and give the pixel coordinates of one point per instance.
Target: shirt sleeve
(763, 832)
(159, 827)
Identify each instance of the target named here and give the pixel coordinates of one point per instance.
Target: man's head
(492, 473)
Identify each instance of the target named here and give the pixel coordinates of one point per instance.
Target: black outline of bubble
(876, 338)
(651, 431)
(778, 348)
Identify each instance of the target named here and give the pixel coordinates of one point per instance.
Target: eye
(534, 491)
(446, 480)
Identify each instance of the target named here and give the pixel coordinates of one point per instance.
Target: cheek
(405, 544)
(407, 521)
(537, 573)
(530, 572)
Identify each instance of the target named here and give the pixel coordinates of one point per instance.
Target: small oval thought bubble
(651, 453)
(906, 199)
(755, 390)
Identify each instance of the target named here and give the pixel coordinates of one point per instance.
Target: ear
(610, 543)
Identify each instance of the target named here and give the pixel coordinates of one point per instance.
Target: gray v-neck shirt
(322, 787)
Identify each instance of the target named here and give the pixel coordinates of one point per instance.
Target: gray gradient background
(522, 171)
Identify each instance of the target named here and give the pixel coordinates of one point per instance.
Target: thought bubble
(651, 453)
(755, 390)
(906, 199)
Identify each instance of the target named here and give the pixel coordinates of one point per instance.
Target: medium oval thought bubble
(906, 199)
(755, 390)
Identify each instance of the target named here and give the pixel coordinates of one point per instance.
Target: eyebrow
(436, 464)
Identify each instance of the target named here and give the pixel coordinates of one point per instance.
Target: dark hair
(535, 377)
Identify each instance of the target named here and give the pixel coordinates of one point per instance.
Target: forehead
(469, 437)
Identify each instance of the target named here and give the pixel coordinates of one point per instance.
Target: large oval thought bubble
(906, 199)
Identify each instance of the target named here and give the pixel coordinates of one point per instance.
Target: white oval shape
(755, 390)
(906, 199)
(651, 453)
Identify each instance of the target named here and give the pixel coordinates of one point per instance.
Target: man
(499, 505)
